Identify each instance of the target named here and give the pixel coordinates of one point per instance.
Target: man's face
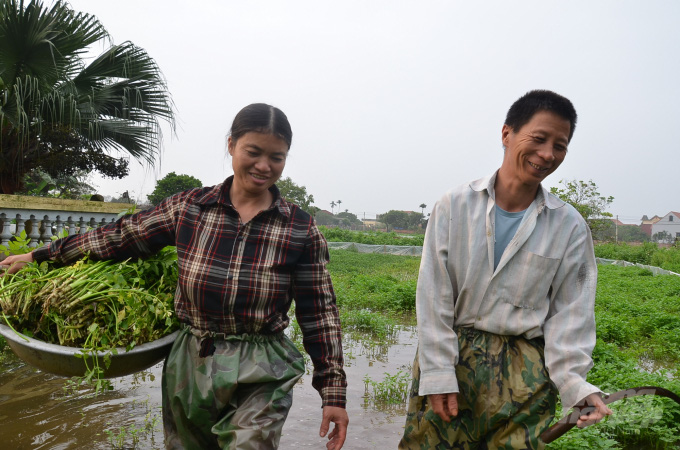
(538, 148)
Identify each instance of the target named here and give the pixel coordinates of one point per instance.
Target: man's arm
(569, 329)
(137, 235)
(437, 342)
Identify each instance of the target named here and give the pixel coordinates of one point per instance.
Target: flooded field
(35, 413)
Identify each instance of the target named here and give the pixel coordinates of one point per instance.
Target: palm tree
(422, 208)
(332, 206)
(339, 202)
(50, 99)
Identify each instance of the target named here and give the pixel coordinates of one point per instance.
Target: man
(505, 298)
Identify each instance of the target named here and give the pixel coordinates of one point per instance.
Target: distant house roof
(617, 222)
(647, 221)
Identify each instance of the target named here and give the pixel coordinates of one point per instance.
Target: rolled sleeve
(437, 341)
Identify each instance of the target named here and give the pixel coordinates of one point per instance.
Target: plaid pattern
(234, 278)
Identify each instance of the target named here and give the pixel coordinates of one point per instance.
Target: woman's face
(258, 160)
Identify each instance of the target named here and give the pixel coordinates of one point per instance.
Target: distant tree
(585, 197)
(415, 219)
(610, 232)
(632, 233)
(339, 202)
(349, 218)
(326, 218)
(395, 219)
(296, 194)
(332, 206)
(422, 208)
(172, 184)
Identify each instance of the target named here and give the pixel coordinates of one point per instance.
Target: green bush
(371, 237)
(641, 254)
(374, 281)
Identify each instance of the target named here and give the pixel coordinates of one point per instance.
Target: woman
(243, 254)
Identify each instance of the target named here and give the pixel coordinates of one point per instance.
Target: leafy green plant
(393, 389)
(367, 321)
(94, 305)
(371, 237)
(372, 281)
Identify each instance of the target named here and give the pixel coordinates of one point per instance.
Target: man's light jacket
(544, 285)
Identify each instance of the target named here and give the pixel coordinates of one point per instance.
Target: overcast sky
(394, 102)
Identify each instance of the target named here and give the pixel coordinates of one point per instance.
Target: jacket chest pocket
(526, 280)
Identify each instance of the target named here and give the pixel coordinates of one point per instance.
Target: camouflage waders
(228, 392)
(505, 401)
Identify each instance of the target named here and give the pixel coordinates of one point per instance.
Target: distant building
(646, 224)
(370, 223)
(668, 224)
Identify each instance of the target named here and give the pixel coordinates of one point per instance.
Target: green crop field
(638, 326)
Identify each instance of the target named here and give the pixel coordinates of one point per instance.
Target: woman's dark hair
(261, 118)
(521, 112)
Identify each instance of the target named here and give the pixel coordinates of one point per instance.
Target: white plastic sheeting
(408, 250)
(654, 270)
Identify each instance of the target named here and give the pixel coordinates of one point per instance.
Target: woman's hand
(13, 264)
(339, 417)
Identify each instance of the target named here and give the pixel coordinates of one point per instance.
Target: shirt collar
(543, 198)
(219, 194)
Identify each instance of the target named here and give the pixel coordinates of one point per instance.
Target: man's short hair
(521, 112)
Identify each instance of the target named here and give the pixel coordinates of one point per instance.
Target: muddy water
(35, 413)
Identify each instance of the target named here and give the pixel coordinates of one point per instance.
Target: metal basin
(61, 360)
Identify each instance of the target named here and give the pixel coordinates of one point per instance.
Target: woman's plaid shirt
(233, 277)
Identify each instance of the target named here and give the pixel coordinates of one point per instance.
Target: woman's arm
(138, 235)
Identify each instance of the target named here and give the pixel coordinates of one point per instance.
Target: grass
(371, 237)
(392, 390)
(640, 313)
(375, 282)
(647, 253)
(638, 321)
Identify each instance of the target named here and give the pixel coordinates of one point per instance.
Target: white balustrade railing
(41, 218)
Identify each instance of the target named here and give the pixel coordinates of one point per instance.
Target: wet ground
(35, 413)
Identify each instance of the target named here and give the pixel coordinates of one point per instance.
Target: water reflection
(35, 413)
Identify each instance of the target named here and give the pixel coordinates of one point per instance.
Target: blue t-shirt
(506, 227)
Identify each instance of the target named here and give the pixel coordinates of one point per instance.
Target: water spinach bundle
(94, 305)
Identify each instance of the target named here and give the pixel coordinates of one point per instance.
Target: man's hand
(444, 405)
(600, 410)
(338, 416)
(13, 264)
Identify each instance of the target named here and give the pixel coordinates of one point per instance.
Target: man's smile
(537, 167)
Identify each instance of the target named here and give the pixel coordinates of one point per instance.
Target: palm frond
(44, 43)
(125, 81)
(114, 103)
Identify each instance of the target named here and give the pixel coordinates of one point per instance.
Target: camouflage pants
(505, 401)
(228, 392)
